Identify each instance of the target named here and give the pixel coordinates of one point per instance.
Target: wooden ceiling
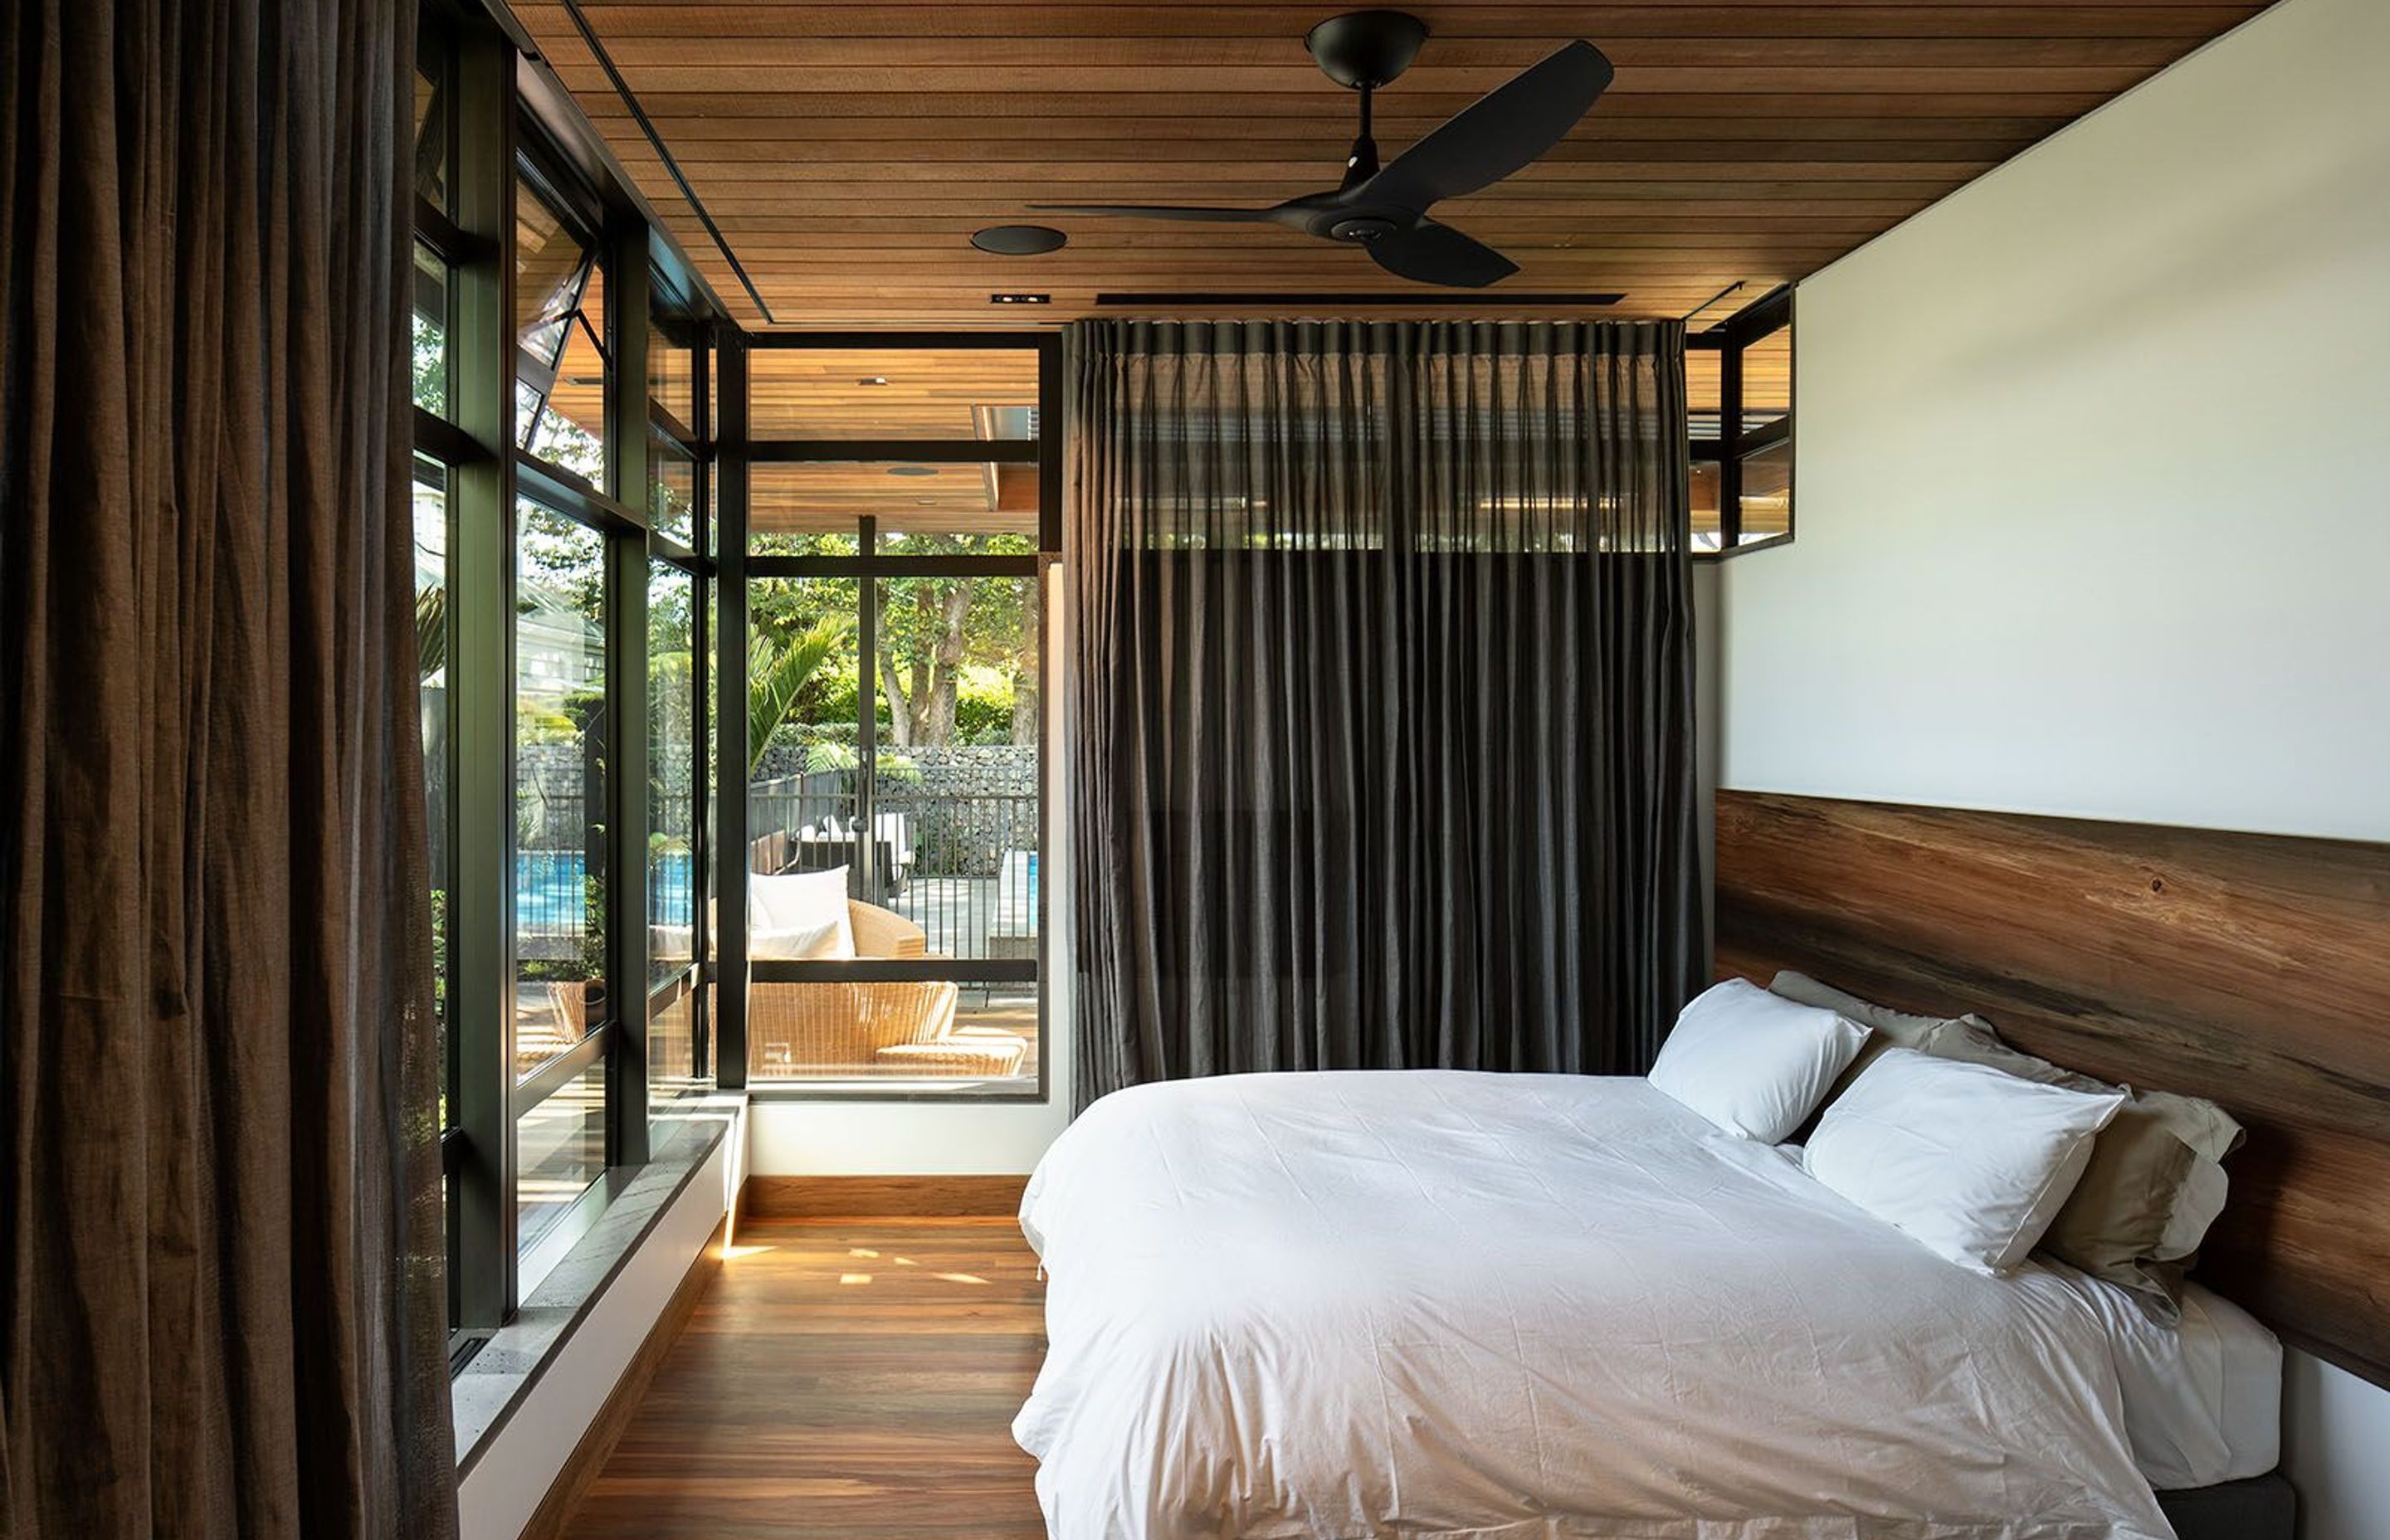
(848, 150)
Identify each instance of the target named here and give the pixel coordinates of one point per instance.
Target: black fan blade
(1499, 133)
(1438, 253)
(1159, 211)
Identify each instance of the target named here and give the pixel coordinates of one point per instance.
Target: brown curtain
(222, 1300)
(1382, 738)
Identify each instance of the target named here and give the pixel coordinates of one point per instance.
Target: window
(565, 364)
(431, 330)
(824, 507)
(677, 825)
(928, 393)
(676, 448)
(434, 115)
(1738, 407)
(566, 654)
(894, 772)
(560, 792)
(672, 771)
(432, 673)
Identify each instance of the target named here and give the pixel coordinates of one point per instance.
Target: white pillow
(800, 915)
(1752, 1063)
(1971, 1161)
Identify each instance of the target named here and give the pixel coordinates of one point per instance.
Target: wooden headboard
(2252, 969)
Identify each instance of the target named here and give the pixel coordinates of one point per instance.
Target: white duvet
(1511, 1306)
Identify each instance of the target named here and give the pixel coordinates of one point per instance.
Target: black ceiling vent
(1506, 299)
(1019, 240)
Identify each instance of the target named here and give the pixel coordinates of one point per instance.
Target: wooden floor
(852, 1377)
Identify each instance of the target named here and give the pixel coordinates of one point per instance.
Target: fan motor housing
(1363, 227)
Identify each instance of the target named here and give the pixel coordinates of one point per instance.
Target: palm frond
(775, 676)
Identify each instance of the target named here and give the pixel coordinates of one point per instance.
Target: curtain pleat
(223, 1300)
(1382, 697)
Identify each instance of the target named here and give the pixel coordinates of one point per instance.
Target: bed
(1440, 1303)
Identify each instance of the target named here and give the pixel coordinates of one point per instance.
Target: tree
(935, 629)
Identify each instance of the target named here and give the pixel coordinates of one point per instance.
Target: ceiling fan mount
(1362, 50)
(1383, 210)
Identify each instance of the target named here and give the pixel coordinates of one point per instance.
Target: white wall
(497, 1496)
(920, 1139)
(2093, 470)
(2094, 491)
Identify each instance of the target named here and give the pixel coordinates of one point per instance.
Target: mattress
(2202, 1399)
(1520, 1307)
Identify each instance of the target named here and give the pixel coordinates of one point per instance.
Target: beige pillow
(1887, 1029)
(2154, 1183)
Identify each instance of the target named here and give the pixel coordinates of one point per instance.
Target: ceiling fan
(1384, 210)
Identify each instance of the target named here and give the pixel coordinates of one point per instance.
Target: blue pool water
(549, 893)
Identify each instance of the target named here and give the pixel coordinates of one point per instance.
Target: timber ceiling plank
(846, 151)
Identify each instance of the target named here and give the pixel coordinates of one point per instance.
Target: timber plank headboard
(2254, 970)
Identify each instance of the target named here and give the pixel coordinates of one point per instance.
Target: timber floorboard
(855, 1378)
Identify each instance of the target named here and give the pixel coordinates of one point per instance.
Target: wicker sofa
(846, 1029)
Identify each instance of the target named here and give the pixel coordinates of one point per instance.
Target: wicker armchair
(854, 1029)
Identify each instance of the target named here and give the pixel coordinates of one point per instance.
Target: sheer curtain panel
(1383, 737)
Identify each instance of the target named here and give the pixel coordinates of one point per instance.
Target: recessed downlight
(1019, 240)
(1020, 298)
(873, 380)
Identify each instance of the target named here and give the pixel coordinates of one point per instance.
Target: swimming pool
(551, 899)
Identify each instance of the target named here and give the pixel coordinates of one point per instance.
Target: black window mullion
(1049, 469)
(627, 576)
(866, 711)
(562, 1070)
(730, 734)
(918, 451)
(1730, 445)
(701, 850)
(481, 906)
(892, 566)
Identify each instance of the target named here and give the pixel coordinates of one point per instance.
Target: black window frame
(737, 568)
(499, 125)
(1736, 443)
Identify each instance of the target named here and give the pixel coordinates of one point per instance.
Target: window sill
(981, 1092)
(501, 1372)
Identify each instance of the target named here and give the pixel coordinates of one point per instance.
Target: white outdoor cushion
(1970, 1160)
(1752, 1063)
(800, 915)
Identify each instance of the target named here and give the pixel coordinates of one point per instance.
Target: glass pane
(892, 392)
(672, 1050)
(957, 787)
(562, 365)
(559, 1149)
(672, 770)
(919, 505)
(804, 747)
(708, 596)
(1706, 536)
(431, 665)
(671, 488)
(1702, 383)
(431, 138)
(711, 483)
(1768, 380)
(1767, 494)
(430, 336)
(672, 377)
(560, 734)
(937, 828)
